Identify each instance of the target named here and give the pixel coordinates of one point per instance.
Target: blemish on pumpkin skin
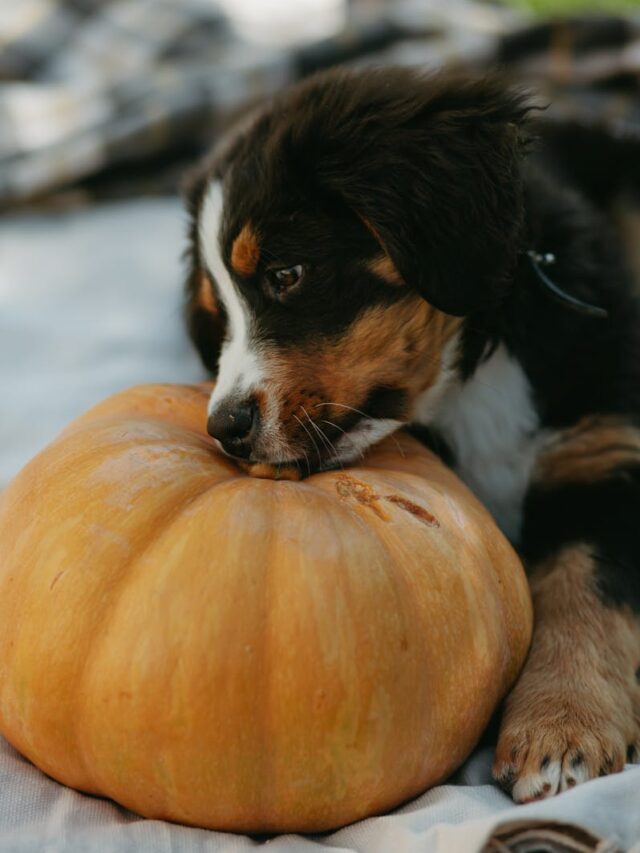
(55, 580)
(418, 511)
(348, 487)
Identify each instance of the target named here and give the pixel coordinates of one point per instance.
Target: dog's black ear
(205, 318)
(432, 165)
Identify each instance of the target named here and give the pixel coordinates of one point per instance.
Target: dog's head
(337, 243)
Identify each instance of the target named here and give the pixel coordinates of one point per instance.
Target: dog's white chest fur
(492, 427)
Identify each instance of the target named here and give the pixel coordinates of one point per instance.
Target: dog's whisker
(327, 442)
(320, 435)
(306, 459)
(313, 441)
(347, 436)
(344, 406)
(336, 426)
(336, 455)
(398, 445)
(367, 417)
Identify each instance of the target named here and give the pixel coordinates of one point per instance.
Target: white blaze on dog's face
(240, 370)
(242, 376)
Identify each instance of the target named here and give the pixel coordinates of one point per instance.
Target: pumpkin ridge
(107, 421)
(107, 613)
(120, 405)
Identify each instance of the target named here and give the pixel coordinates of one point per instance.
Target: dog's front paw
(551, 741)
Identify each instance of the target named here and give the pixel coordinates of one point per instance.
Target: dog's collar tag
(539, 260)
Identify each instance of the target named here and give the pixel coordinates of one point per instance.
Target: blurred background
(105, 103)
(104, 98)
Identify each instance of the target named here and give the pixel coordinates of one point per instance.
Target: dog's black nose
(231, 423)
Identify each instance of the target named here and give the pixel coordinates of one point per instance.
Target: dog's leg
(574, 714)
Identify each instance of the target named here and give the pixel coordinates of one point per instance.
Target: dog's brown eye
(283, 280)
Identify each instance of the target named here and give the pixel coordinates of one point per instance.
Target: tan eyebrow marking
(245, 251)
(384, 268)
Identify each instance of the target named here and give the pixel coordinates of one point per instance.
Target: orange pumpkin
(243, 654)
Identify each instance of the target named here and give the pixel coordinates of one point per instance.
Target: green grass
(561, 7)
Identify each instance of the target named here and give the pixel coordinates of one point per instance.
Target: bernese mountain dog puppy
(377, 248)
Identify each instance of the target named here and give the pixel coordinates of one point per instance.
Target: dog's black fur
(454, 181)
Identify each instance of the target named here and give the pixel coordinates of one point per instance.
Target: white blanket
(90, 303)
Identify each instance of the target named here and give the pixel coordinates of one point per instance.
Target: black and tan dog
(380, 248)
